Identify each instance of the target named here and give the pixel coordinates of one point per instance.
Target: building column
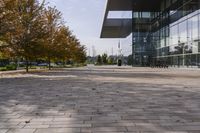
(133, 41)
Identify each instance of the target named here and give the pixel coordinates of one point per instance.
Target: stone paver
(101, 99)
(3, 130)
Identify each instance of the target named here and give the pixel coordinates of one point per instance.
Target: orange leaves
(33, 31)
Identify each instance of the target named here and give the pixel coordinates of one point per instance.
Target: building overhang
(121, 28)
(133, 5)
(116, 28)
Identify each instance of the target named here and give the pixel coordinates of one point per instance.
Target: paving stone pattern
(101, 99)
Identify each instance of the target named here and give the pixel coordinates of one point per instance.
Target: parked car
(33, 63)
(54, 64)
(43, 64)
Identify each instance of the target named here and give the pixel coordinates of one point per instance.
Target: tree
(99, 60)
(80, 54)
(68, 46)
(110, 60)
(53, 21)
(26, 28)
(105, 58)
(31, 31)
(77, 51)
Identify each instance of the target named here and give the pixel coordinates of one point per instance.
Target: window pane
(194, 27)
(174, 35)
(183, 32)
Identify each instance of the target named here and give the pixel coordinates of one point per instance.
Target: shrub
(33, 67)
(11, 67)
(22, 65)
(3, 69)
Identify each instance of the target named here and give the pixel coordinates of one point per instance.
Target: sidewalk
(101, 100)
(11, 72)
(20, 71)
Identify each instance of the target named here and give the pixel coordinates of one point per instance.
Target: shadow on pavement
(73, 100)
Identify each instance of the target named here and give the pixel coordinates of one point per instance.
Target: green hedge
(3, 69)
(8, 68)
(11, 67)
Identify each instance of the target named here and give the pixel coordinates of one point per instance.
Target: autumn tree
(63, 44)
(53, 22)
(29, 30)
(68, 46)
(6, 19)
(80, 54)
(26, 28)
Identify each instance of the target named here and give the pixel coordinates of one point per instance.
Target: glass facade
(171, 36)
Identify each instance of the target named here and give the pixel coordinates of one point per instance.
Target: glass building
(162, 31)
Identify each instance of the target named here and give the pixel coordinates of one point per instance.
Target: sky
(85, 19)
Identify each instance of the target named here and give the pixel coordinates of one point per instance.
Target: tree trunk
(27, 65)
(63, 63)
(49, 63)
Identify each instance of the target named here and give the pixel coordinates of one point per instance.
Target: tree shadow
(55, 99)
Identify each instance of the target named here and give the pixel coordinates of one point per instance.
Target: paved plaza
(101, 99)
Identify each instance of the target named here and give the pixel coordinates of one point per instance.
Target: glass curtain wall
(175, 33)
(141, 44)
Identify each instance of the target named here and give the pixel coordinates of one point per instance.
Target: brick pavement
(101, 99)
